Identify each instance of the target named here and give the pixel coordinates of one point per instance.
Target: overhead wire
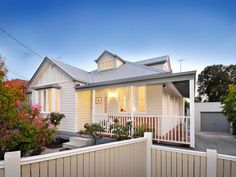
(21, 44)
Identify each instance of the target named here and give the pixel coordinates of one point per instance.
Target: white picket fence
(173, 129)
(135, 157)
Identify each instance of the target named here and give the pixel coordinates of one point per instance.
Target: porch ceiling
(183, 87)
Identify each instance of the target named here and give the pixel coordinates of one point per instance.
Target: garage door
(214, 122)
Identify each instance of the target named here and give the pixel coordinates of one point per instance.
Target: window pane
(105, 104)
(123, 100)
(106, 65)
(141, 99)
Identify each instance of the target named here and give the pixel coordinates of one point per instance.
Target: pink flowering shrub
(29, 134)
(21, 126)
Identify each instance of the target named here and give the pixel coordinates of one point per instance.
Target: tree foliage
(21, 126)
(229, 105)
(214, 80)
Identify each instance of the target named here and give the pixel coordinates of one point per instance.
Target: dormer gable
(108, 60)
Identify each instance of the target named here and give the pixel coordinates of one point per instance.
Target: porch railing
(174, 129)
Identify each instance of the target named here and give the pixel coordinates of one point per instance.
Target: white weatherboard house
(144, 92)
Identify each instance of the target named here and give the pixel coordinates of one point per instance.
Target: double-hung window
(141, 99)
(106, 65)
(123, 100)
(48, 99)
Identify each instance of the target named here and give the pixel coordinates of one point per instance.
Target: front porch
(172, 129)
(157, 105)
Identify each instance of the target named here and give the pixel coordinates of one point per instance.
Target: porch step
(71, 145)
(77, 142)
(80, 140)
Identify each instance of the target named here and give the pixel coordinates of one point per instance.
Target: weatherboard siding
(171, 106)
(154, 99)
(50, 74)
(67, 106)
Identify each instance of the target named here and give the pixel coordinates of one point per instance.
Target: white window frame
(145, 98)
(127, 101)
(53, 101)
(105, 65)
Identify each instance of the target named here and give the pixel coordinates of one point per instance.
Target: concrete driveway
(223, 143)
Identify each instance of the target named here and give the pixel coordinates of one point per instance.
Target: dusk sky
(201, 32)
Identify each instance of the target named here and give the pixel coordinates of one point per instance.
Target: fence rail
(173, 129)
(124, 158)
(135, 157)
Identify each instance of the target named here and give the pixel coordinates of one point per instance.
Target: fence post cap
(147, 134)
(211, 151)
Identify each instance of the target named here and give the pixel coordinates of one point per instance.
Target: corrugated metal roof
(74, 72)
(127, 70)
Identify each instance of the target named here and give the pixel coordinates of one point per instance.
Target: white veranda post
(192, 119)
(132, 107)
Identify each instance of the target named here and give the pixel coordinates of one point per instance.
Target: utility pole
(180, 64)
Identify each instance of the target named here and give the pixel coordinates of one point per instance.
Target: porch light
(112, 95)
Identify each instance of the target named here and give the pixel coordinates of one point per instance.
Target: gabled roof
(73, 72)
(109, 53)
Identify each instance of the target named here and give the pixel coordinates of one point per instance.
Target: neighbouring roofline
(162, 77)
(156, 60)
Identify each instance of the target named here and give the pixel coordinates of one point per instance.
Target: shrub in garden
(55, 118)
(93, 129)
(120, 132)
(139, 131)
(27, 132)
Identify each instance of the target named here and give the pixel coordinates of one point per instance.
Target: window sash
(141, 99)
(49, 100)
(123, 100)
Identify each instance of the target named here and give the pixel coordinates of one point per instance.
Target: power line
(10, 70)
(20, 43)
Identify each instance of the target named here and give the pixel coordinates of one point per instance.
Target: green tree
(214, 80)
(229, 106)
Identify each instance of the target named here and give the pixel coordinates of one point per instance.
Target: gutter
(136, 79)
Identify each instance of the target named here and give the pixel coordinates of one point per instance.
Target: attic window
(106, 65)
